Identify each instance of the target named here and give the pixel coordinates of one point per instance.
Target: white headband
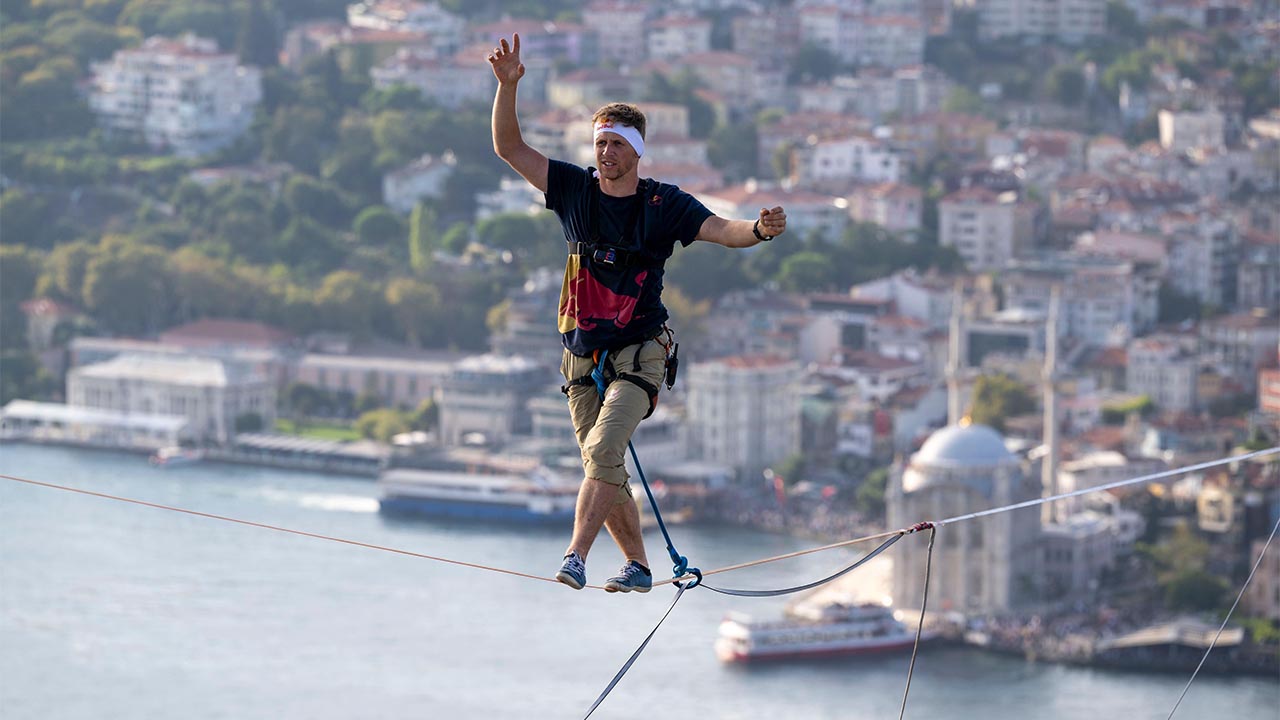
(627, 132)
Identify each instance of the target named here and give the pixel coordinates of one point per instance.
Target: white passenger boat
(813, 630)
(540, 496)
(175, 456)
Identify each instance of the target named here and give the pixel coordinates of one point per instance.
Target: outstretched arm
(507, 141)
(741, 233)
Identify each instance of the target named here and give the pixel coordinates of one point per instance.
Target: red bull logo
(585, 302)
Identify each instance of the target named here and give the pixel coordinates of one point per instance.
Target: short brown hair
(625, 113)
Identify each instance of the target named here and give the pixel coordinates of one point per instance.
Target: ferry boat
(539, 496)
(175, 456)
(811, 630)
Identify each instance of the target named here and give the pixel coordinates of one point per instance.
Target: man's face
(614, 156)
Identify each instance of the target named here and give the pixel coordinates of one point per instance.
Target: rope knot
(926, 525)
(690, 584)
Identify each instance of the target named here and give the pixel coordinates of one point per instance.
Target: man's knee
(623, 494)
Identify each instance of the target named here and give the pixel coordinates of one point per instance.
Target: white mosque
(982, 566)
(987, 565)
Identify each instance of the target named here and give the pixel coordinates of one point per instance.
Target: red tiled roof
(215, 330)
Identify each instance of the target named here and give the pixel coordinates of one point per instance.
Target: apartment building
(987, 229)
(450, 82)
(1165, 368)
(891, 205)
(677, 35)
(485, 399)
(1069, 20)
(743, 411)
(1241, 344)
(857, 158)
(182, 95)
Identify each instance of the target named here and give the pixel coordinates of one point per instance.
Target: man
(620, 230)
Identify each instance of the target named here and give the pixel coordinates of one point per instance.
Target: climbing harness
(602, 375)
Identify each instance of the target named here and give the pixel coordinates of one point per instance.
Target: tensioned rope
(698, 575)
(276, 528)
(1226, 619)
(1165, 474)
(924, 606)
(696, 578)
(729, 568)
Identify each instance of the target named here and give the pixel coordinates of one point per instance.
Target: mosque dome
(968, 454)
(964, 446)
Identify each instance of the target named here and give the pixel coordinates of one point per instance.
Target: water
(113, 610)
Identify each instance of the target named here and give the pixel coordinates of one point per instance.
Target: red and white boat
(176, 456)
(810, 630)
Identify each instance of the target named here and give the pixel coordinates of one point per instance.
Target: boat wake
(330, 502)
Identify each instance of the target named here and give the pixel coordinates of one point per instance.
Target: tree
(204, 287)
(1066, 85)
(870, 496)
(248, 422)
(128, 288)
(964, 100)
(300, 136)
(25, 218)
(507, 231)
(997, 397)
(1195, 590)
(22, 377)
(1123, 22)
(416, 310)
(44, 103)
(317, 200)
(456, 238)
(19, 272)
(705, 271)
(806, 272)
(308, 247)
(812, 64)
(689, 317)
(303, 401)
(422, 233)
(426, 416)
(382, 425)
(256, 37)
(734, 149)
(204, 18)
(349, 303)
(64, 271)
(378, 226)
(86, 40)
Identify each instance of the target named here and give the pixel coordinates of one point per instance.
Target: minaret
(1048, 383)
(955, 357)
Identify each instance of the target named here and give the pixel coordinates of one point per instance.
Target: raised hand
(773, 222)
(505, 60)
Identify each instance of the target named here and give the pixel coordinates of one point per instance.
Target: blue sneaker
(632, 576)
(573, 572)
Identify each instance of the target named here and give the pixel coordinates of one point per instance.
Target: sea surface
(115, 610)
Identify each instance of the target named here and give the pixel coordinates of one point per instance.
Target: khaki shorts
(603, 431)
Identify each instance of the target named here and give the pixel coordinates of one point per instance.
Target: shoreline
(1029, 638)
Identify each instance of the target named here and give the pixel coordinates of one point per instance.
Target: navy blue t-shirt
(607, 305)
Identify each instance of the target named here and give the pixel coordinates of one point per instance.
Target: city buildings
(743, 411)
(215, 396)
(183, 95)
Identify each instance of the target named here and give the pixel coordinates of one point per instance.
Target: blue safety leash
(680, 564)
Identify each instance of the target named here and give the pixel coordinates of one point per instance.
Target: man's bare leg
(623, 523)
(596, 500)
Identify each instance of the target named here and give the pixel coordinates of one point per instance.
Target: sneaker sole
(615, 587)
(569, 580)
